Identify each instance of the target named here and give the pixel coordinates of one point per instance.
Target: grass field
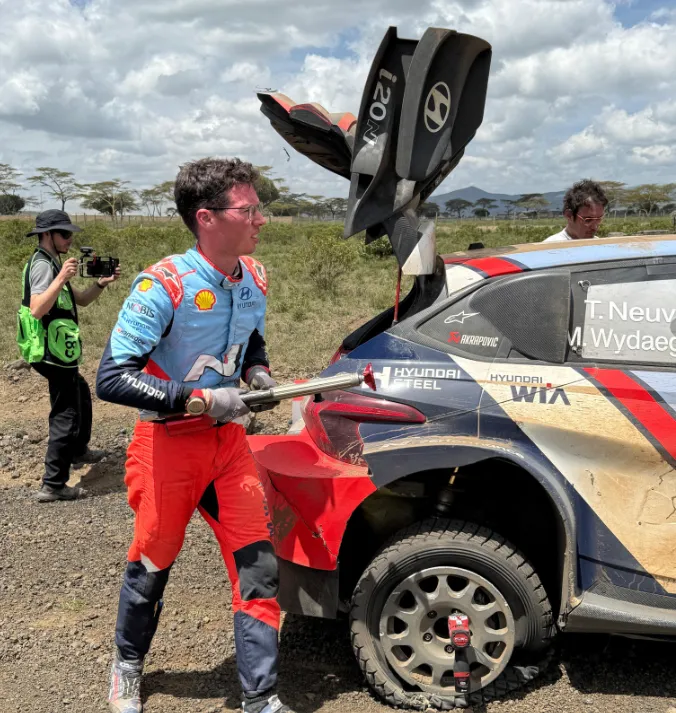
(321, 287)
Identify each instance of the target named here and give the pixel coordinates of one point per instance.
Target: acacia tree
(288, 203)
(646, 197)
(486, 204)
(145, 196)
(165, 194)
(511, 207)
(10, 202)
(532, 201)
(429, 209)
(314, 207)
(335, 206)
(59, 184)
(457, 206)
(266, 187)
(615, 193)
(111, 198)
(9, 179)
(154, 198)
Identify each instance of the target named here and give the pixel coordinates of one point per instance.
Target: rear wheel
(425, 573)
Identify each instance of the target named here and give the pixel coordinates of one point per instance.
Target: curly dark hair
(204, 184)
(582, 193)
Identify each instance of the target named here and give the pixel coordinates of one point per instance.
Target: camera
(91, 265)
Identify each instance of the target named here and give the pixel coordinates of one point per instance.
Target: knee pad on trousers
(257, 570)
(139, 609)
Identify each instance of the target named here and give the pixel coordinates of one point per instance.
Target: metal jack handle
(286, 391)
(315, 386)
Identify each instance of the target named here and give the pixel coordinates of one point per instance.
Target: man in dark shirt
(49, 340)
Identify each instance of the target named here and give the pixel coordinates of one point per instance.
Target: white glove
(225, 404)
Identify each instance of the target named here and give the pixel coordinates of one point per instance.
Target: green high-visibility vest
(55, 338)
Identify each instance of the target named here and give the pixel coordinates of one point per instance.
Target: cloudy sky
(132, 88)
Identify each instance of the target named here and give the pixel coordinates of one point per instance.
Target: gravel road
(61, 566)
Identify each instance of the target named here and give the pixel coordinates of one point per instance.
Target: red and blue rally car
(513, 475)
(515, 466)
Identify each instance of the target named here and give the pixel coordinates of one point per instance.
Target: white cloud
(21, 94)
(586, 144)
(637, 60)
(139, 82)
(654, 155)
(656, 123)
(246, 73)
(133, 88)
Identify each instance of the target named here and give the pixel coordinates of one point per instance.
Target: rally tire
(441, 541)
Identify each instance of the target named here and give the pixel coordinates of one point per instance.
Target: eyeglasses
(590, 221)
(251, 210)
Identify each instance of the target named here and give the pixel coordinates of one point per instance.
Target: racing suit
(187, 326)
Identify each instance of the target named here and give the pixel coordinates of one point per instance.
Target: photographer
(49, 340)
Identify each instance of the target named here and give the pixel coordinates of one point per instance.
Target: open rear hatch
(422, 104)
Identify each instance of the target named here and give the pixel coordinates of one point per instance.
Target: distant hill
(473, 194)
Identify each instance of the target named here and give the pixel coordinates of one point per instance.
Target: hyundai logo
(245, 293)
(437, 107)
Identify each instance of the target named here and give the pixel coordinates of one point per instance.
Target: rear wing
(422, 104)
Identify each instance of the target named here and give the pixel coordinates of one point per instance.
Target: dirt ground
(61, 567)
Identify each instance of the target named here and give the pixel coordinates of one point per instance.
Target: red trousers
(170, 476)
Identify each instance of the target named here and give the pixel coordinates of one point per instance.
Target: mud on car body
(515, 466)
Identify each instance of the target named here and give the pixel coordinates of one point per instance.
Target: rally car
(513, 474)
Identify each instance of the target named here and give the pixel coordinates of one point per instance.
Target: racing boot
(265, 704)
(125, 685)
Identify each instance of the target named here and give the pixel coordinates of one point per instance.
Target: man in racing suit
(192, 326)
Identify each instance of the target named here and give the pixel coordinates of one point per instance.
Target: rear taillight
(340, 353)
(333, 422)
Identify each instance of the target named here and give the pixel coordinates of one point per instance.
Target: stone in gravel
(17, 365)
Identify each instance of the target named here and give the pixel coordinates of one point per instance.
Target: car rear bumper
(311, 498)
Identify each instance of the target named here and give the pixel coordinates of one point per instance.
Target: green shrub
(635, 225)
(380, 248)
(280, 233)
(329, 231)
(327, 258)
(11, 204)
